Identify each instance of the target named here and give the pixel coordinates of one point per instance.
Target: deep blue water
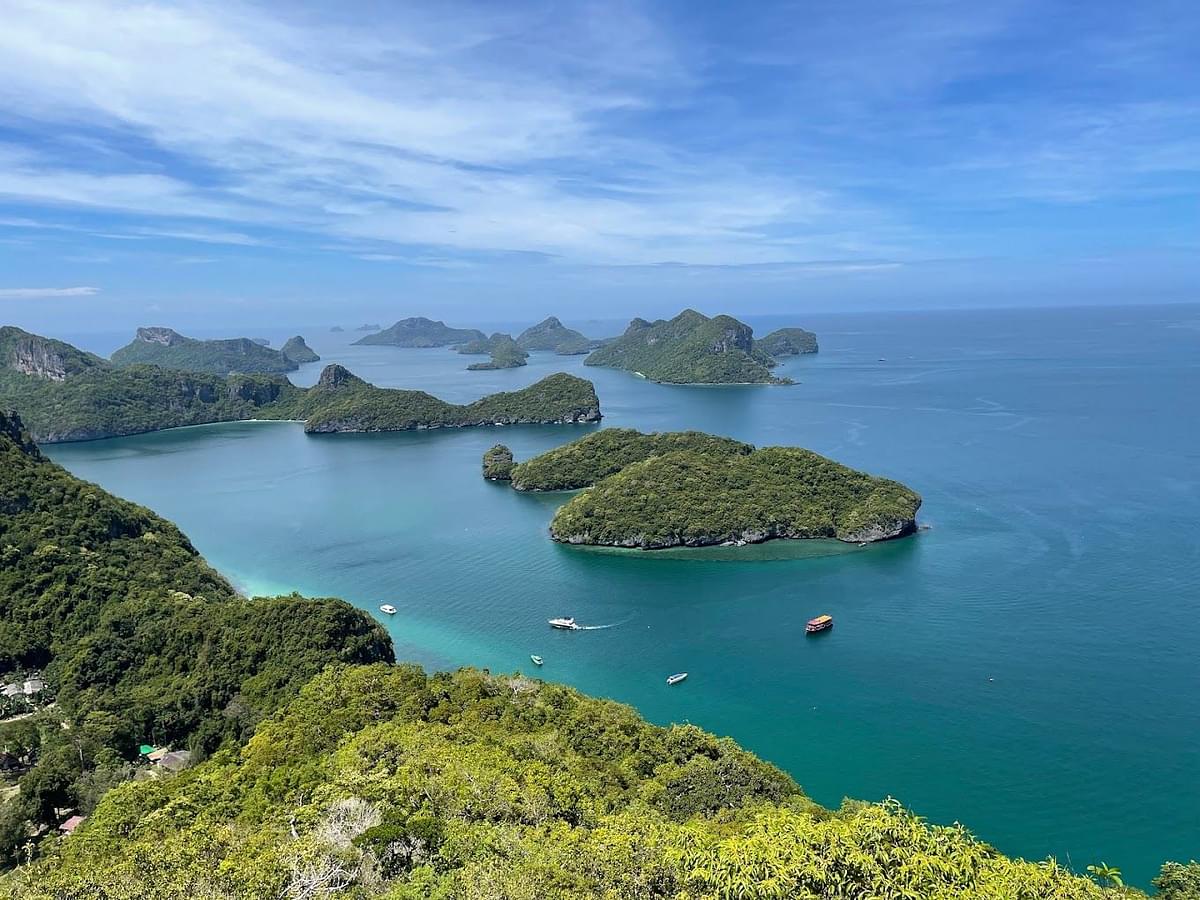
(1027, 666)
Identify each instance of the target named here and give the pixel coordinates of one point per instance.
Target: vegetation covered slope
(74, 396)
(171, 350)
(421, 332)
(138, 637)
(298, 351)
(690, 498)
(787, 342)
(498, 463)
(504, 351)
(549, 334)
(688, 349)
(380, 781)
(342, 402)
(586, 461)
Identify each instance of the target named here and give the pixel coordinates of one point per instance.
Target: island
(498, 463)
(505, 352)
(366, 327)
(582, 346)
(299, 352)
(788, 342)
(689, 349)
(336, 329)
(653, 491)
(551, 334)
(65, 394)
(421, 332)
(169, 349)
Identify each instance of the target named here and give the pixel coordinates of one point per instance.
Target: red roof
(71, 824)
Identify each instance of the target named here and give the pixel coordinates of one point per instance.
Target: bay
(1027, 665)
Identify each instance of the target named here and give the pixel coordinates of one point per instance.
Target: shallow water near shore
(1027, 665)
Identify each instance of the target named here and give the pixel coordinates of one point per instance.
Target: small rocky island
(690, 489)
(504, 351)
(498, 463)
(299, 352)
(65, 394)
(551, 334)
(788, 342)
(171, 350)
(689, 349)
(418, 331)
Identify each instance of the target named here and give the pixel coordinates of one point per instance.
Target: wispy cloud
(46, 293)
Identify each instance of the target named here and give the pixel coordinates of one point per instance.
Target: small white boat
(567, 622)
(676, 678)
(537, 660)
(388, 608)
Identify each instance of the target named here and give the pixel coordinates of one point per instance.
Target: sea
(1028, 664)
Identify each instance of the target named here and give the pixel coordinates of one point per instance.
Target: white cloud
(40, 293)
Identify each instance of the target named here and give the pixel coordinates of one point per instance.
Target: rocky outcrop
(168, 337)
(32, 354)
(788, 342)
(335, 376)
(498, 464)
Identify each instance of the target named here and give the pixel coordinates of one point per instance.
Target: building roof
(71, 824)
(34, 686)
(11, 690)
(175, 760)
(156, 754)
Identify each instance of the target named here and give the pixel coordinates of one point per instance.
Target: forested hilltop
(171, 350)
(138, 639)
(64, 394)
(694, 489)
(695, 349)
(419, 331)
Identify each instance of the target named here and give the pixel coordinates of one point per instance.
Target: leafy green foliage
(688, 349)
(696, 498)
(381, 781)
(1177, 881)
(170, 350)
(787, 342)
(586, 461)
(140, 638)
(420, 332)
(498, 463)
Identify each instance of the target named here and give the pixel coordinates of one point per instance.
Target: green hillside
(170, 350)
(420, 332)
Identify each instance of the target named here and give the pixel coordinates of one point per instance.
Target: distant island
(694, 489)
(299, 352)
(504, 351)
(336, 329)
(368, 328)
(421, 332)
(551, 334)
(65, 394)
(788, 342)
(498, 463)
(171, 350)
(689, 349)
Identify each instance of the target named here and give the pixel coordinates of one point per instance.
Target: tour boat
(675, 679)
(567, 622)
(537, 660)
(820, 623)
(388, 608)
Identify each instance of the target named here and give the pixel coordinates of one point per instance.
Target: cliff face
(32, 354)
(168, 337)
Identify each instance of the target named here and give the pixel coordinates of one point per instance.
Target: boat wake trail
(599, 627)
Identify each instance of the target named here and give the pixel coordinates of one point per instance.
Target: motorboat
(567, 622)
(676, 678)
(537, 660)
(388, 608)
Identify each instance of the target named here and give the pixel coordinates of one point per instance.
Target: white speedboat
(388, 608)
(537, 660)
(566, 622)
(676, 678)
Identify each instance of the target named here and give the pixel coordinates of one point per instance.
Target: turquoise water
(1028, 665)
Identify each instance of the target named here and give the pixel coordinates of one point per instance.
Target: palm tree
(1107, 874)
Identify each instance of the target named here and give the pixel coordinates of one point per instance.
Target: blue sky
(231, 162)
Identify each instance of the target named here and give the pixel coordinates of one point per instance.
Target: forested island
(653, 491)
(169, 349)
(377, 777)
(419, 331)
(65, 394)
(551, 334)
(298, 351)
(695, 349)
(504, 351)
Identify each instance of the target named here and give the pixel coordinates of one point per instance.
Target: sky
(226, 162)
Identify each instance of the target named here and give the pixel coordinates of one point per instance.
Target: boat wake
(599, 627)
